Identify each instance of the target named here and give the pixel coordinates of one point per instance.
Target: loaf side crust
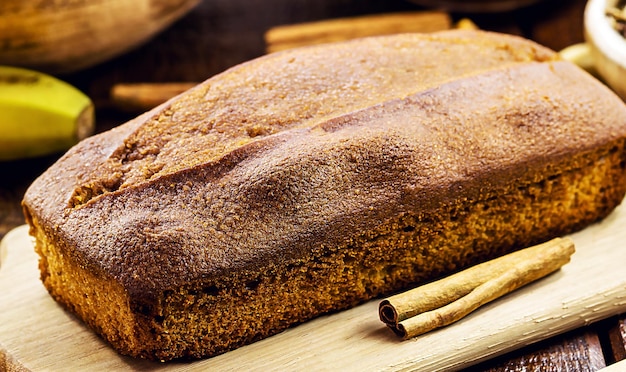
(200, 320)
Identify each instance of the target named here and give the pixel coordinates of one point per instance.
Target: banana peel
(40, 114)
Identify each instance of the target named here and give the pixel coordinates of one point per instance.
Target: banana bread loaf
(311, 180)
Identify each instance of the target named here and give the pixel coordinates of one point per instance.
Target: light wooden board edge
(615, 367)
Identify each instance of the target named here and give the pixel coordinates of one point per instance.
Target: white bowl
(608, 47)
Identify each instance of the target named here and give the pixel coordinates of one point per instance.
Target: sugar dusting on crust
(253, 101)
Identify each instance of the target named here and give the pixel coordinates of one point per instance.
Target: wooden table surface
(221, 33)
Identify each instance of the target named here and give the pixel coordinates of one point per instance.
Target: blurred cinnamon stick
(297, 35)
(144, 96)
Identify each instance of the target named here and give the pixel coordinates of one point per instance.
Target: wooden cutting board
(36, 334)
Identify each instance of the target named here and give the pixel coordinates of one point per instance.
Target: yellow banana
(580, 54)
(40, 114)
(60, 36)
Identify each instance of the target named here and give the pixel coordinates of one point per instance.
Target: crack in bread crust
(248, 104)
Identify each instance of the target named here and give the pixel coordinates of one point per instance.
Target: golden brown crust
(289, 158)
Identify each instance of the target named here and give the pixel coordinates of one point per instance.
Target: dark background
(221, 33)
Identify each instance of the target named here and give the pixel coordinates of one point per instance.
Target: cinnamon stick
(446, 301)
(296, 35)
(141, 97)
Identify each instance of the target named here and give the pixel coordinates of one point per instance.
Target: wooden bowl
(66, 36)
(608, 47)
